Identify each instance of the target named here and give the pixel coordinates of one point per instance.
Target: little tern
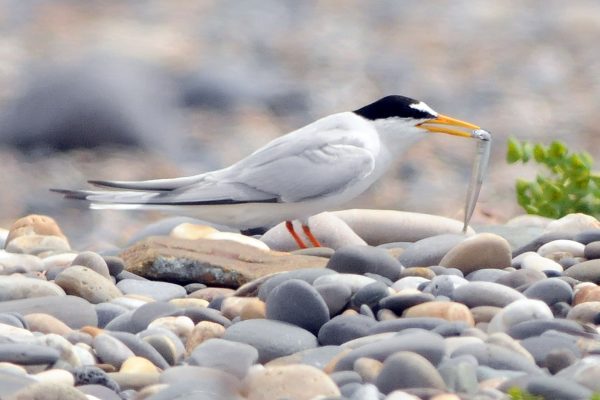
(307, 171)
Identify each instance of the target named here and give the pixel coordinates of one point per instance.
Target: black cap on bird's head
(401, 107)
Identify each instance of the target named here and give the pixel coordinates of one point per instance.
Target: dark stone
(550, 291)
(362, 259)
(400, 302)
(370, 295)
(344, 328)
(90, 375)
(538, 242)
(308, 275)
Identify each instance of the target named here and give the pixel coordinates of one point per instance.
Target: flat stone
(399, 324)
(27, 354)
(520, 278)
(11, 263)
(140, 348)
(99, 392)
(169, 347)
(541, 346)
(557, 388)
(318, 357)
(111, 350)
(484, 250)
(537, 327)
(48, 390)
(335, 295)
(408, 370)
(159, 291)
(475, 294)
(38, 244)
(427, 344)
(138, 365)
(587, 293)
(147, 313)
(587, 271)
(370, 295)
(107, 312)
(353, 281)
(216, 263)
(588, 236)
(254, 309)
(203, 331)
(232, 357)
(377, 227)
(209, 293)
(448, 310)
(550, 291)
(73, 311)
(198, 383)
(585, 313)
(272, 339)
(539, 263)
(293, 381)
(568, 246)
(429, 251)
(46, 323)
(497, 357)
(344, 328)
(362, 259)
(16, 287)
(135, 381)
(308, 275)
(331, 231)
(84, 282)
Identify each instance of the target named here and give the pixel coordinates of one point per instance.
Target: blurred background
(156, 89)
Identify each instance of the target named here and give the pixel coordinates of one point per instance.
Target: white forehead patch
(423, 107)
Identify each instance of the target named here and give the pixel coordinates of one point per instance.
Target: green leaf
(527, 151)
(557, 149)
(539, 153)
(514, 152)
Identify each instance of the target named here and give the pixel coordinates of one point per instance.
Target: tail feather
(154, 185)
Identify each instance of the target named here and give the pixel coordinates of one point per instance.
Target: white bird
(307, 171)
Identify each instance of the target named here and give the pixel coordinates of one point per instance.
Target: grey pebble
(475, 294)
(197, 314)
(587, 271)
(11, 382)
(15, 287)
(192, 287)
(143, 315)
(159, 291)
(111, 350)
(362, 259)
(551, 387)
(91, 375)
(72, 310)
(298, 303)
(344, 328)
(271, 338)
(122, 322)
(585, 237)
(219, 354)
(427, 344)
(115, 265)
(408, 370)
(129, 275)
(429, 251)
(343, 377)
(370, 295)
(486, 274)
(13, 319)
(167, 343)
(400, 302)
(536, 243)
(497, 357)
(459, 374)
(27, 354)
(558, 359)
(592, 250)
(541, 346)
(521, 277)
(336, 296)
(307, 274)
(107, 312)
(527, 329)
(93, 261)
(350, 389)
(141, 348)
(550, 291)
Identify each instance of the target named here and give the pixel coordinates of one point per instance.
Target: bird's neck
(397, 135)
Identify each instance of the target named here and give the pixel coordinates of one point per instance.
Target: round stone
(147, 313)
(46, 323)
(309, 275)
(541, 346)
(362, 259)
(353, 281)
(587, 271)
(573, 247)
(484, 250)
(336, 295)
(474, 294)
(587, 293)
(539, 263)
(84, 282)
(198, 383)
(141, 348)
(181, 325)
(370, 295)
(537, 327)
(289, 381)
(92, 375)
(254, 309)
(219, 354)
(585, 313)
(521, 277)
(344, 328)
(444, 285)
(405, 299)
(592, 251)
(203, 331)
(573, 224)
(497, 357)
(34, 225)
(550, 291)
(408, 370)
(447, 310)
(93, 261)
(271, 338)
(519, 311)
(73, 311)
(298, 303)
(159, 291)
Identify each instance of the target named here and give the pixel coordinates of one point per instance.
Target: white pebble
(519, 311)
(555, 246)
(539, 263)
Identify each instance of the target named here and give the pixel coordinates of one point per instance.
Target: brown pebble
(586, 294)
(46, 323)
(484, 313)
(367, 368)
(34, 225)
(232, 306)
(203, 331)
(91, 330)
(211, 293)
(448, 310)
(423, 272)
(255, 309)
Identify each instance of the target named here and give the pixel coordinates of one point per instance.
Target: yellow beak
(445, 124)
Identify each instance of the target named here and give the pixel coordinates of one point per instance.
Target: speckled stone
(84, 282)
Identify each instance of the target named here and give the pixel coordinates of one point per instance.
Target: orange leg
(290, 228)
(310, 236)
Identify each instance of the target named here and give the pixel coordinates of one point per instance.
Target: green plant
(516, 393)
(570, 186)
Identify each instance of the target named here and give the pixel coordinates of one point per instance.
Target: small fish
(479, 167)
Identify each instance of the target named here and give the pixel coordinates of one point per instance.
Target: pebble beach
(397, 305)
